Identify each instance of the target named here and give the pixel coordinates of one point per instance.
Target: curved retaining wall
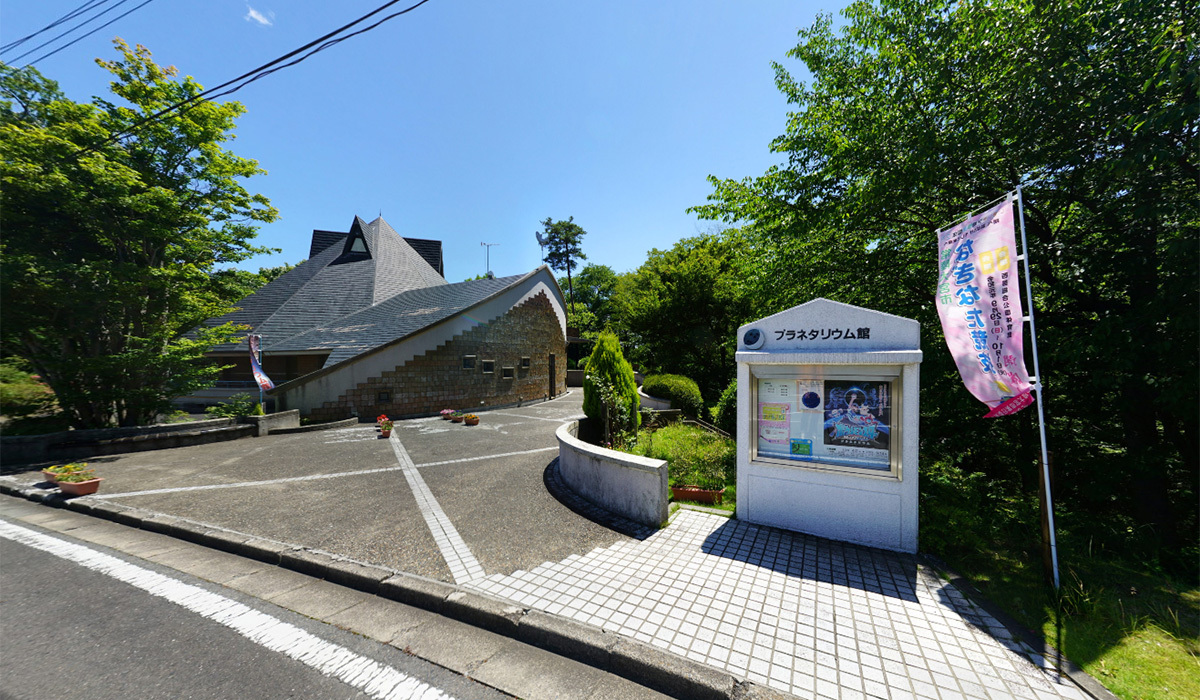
(631, 486)
(653, 402)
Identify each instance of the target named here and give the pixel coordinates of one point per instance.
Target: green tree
(682, 307)
(609, 388)
(563, 239)
(920, 110)
(597, 285)
(111, 236)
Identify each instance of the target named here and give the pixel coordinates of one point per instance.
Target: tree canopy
(917, 112)
(681, 309)
(564, 240)
(111, 235)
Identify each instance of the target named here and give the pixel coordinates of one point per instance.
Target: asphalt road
(341, 491)
(67, 632)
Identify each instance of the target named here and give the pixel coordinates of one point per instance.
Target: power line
(262, 71)
(85, 22)
(76, 41)
(65, 18)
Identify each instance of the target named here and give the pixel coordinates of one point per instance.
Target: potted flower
(52, 473)
(446, 413)
(80, 482)
(471, 419)
(379, 419)
(385, 427)
(456, 417)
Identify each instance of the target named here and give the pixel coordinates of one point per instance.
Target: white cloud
(254, 15)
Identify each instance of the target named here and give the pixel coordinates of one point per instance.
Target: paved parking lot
(471, 505)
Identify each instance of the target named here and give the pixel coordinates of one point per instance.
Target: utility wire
(85, 22)
(76, 41)
(260, 72)
(65, 18)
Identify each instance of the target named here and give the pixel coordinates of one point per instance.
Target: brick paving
(801, 614)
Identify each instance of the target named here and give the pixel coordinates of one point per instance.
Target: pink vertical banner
(979, 303)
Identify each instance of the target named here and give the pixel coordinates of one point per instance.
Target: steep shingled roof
(396, 317)
(332, 284)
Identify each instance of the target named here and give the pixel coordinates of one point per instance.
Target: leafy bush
(21, 393)
(695, 456)
(237, 406)
(726, 418)
(582, 364)
(609, 391)
(683, 393)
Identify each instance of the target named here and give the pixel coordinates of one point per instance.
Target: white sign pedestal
(827, 423)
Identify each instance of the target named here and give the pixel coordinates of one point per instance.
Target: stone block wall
(435, 380)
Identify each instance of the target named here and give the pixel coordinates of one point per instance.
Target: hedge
(683, 393)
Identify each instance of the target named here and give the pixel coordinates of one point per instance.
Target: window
(489, 366)
(525, 363)
(468, 362)
(383, 397)
(822, 417)
(508, 373)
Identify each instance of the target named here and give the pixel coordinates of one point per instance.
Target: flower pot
(456, 419)
(471, 421)
(694, 493)
(385, 433)
(50, 476)
(79, 488)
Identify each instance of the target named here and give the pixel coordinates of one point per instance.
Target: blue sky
(471, 122)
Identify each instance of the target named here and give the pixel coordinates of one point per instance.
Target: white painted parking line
(242, 484)
(476, 459)
(310, 477)
(567, 419)
(463, 565)
(362, 673)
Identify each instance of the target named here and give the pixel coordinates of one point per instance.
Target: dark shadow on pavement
(586, 509)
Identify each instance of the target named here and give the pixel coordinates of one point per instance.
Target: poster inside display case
(841, 421)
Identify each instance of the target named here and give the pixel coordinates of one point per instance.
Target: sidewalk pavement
(800, 614)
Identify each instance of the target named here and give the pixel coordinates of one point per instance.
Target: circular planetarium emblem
(753, 339)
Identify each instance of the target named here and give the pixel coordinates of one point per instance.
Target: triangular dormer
(356, 247)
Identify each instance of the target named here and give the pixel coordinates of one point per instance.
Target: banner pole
(1049, 505)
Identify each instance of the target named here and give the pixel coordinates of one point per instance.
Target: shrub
(21, 393)
(237, 406)
(609, 391)
(695, 456)
(726, 418)
(683, 393)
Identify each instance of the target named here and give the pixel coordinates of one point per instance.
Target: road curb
(641, 663)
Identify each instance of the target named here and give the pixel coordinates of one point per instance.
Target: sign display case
(826, 417)
(827, 423)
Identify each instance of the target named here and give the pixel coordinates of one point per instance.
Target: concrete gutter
(635, 661)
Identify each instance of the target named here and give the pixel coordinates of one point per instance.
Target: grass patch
(694, 457)
(1128, 622)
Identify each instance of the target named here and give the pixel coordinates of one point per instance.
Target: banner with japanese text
(264, 382)
(979, 303)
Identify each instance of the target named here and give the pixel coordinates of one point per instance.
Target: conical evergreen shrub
(607, 365)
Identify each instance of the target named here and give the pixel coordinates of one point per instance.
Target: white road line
(476, 459)
(360, 672)
(463, 565)
(241, 484)
(552, 420)
(312, 477)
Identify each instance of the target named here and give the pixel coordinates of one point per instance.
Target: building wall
(435, 379)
